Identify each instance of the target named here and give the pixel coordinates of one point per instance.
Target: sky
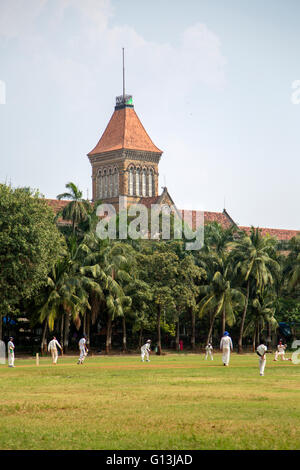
(214, 83)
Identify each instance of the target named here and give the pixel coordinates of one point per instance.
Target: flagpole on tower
(123, 74)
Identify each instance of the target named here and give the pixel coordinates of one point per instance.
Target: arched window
(111, 183)
(150, 182)
(131, 181)
(137, 181)
(99, 185)
(105, 178)
(144, 182)
(116, 182)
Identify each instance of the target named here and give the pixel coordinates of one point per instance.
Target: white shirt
(226, 343)
(53, 344)
(82, 343)
(146, 347)
(261, 349)
(209, 346)
(10, 345)
(281, 348)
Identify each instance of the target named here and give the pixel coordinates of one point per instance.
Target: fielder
(280, 352)
(52, 347)
(83, 349)
(261, 352)
(209, 351)
(11, 352)
(226, 346)
(145, 350)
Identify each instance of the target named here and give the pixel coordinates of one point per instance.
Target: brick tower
(125, 160)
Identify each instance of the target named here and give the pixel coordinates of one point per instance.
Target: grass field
(174, 402)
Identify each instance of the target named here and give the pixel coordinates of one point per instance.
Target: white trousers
(226, 356)
(11, 359)
(143, 354)
(209, 352)
(54, 355)
(82, 355)
(262, 365)
(277, 353)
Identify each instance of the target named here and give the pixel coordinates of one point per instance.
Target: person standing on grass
(261, 352)
(226, 346)
(145, 350)
(52, 347)
(209, 351)
(11, 352)
(280, 351)
(83, 349)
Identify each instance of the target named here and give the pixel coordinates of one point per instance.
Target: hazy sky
(211, 82)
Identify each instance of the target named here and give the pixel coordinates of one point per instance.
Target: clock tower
(125, 160)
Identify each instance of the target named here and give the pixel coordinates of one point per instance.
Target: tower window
(137, 182)
(131, 182)
(144, 183)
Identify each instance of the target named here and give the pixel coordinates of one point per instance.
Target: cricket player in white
(209, 351)
(83, 349)
(261, 351)
(226, 346)
(52, 347)
(280, 352)
(145, 350)
(11, 352)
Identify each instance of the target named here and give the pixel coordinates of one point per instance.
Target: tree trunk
(240, 341)
(193, 337)
(177, 335)
(1, 319)
(84, 324)
(253, 340)
(108, 335)
(209, 339)
(158, 331)
(124, 334)
(44, 339)
(87, 327)
(223, 320)
(67, 331)
(140, 337)
(62, 330)
(257, 334)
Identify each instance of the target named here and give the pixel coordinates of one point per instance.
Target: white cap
(149, 341)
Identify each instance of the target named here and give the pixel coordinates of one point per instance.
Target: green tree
(253, 262)
(29, 246)
(77, 210)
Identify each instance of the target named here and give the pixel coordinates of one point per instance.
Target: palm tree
(62, 297)
(219, 297)
(252, 259)
(77, 209)
(261, 315)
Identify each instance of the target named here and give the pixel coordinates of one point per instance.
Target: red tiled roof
(219, 217)
(124, 130)
(148, 201)
(280, 234)
(56, 204)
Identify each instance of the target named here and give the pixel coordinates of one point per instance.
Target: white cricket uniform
(261, 350)
(52, 347)
(280, 352)
(209, 351)
(83, 353)
(226, 346)
(145, 351)
(11, 354)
